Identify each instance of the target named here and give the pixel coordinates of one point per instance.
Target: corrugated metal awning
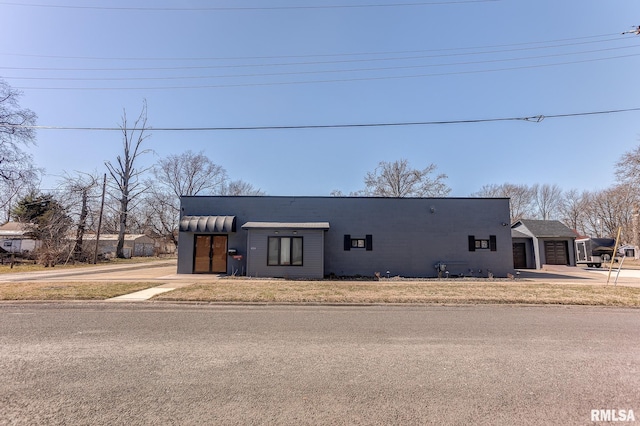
(286, 225)
(208, 224)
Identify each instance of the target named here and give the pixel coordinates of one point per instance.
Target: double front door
(210, 254)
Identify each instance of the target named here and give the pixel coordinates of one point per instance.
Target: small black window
(482, 244)
(358, 243)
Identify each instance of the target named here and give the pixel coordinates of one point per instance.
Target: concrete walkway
(142, 295)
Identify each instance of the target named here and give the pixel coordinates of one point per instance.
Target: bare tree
(185, 174)
(520, 198)
(16, 131)
(160, 214)
(190, 174)
(628, 173)
(240, 187)
(628, 167)
(48, 223)
(125, 174)
(610, 209)
(79, 196)
(338, 193)
(398, 179)
(51, 230)
(573, 210)
(12, 190)
(547, 200)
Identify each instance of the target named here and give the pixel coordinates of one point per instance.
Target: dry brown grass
(68, 290)
(437, 292)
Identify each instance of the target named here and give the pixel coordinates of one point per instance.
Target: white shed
(15, 238)
(135, 245)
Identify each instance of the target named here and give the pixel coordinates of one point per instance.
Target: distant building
(315, 237)
(539, 242)
(15, 237)
(135, 245)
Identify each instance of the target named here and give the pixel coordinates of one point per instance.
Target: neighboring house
(539, 242)
(15, 238)
(135, 245)
(315, 237)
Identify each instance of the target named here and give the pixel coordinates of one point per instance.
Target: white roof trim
(286, 225)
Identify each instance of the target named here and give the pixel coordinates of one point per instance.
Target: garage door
(556, 252)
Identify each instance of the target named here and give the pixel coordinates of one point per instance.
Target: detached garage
(542, 242)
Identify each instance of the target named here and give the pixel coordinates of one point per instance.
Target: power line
(341, 80)
(396, 52)
(402, 58)
(215, 9)
(398, 67)
(534, 119)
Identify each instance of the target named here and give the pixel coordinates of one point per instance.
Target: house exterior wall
(18, 245)
(409, 235)
(313, 254)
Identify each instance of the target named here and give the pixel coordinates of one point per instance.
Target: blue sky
(315, 62)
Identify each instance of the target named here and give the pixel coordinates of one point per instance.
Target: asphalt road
(105, 364)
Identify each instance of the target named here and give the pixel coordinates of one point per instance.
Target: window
(482, 244)
(358, 243)
(284, 251)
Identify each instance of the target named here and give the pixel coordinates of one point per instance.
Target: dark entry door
(210, 255)
(519, 255)
(556, 252)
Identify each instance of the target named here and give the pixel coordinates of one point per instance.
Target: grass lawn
(434, 291)
(68, 290)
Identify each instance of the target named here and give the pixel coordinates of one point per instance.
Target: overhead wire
(399, 67)
(404, 58)
(341, 80)
(248, 8)
(350, 58)
(535, 119)
(393, 52)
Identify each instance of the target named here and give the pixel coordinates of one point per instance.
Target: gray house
(315, 237)
(538, 242)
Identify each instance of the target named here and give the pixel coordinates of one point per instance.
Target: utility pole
(635, 217)
(104, 189)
